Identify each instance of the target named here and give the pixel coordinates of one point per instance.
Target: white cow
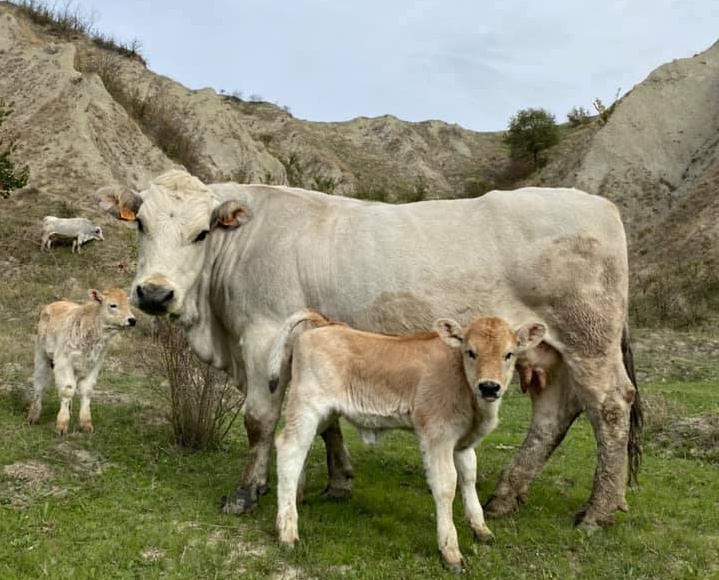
(71, 343)
(79, 230)
(446, 386)
(229, 263)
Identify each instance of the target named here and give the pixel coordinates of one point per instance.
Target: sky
(470, 62)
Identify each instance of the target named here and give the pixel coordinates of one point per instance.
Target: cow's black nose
(489, 389)
(153, 299)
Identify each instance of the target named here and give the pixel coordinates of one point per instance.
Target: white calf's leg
(65, 383)
(466, 464)
(85, 387)
(293, 445)
(42, 375)
(442, 479)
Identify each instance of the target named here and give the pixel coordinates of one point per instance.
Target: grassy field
(124, 502)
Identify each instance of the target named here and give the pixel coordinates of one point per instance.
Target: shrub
(202, 403)
(324, 184)
(475, 187)
(604, 111)
(578, 116)
(11, 177)
(530, 132)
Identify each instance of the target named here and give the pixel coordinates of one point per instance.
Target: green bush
(578, 116)
(530, 132)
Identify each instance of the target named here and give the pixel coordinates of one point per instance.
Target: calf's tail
(281, 350)
(636, 414)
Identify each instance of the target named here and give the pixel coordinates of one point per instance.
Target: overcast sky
(471, 62)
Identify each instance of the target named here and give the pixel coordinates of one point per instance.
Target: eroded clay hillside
(83, 117)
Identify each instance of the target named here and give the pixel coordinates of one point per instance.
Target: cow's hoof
(588, 523)
(241, 502)
(499, 506)
(335, 492)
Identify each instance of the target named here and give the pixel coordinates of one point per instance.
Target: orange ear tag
(127, 214)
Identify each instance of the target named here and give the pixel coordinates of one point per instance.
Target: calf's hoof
(453, 562)
(62, 428)
(86, 427)
(498, 506)
(241, 502)
(33, 414)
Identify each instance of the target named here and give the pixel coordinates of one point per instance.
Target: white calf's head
(114, 307)
(175, 216)
(489, 350)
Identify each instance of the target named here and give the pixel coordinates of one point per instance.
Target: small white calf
(446, 386)
(79, 230)
(71, 343)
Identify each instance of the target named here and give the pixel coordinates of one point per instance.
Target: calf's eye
(508, 356)
(471, 354)
(113, 305)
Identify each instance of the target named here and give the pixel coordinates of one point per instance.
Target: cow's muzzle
(153, 299)
(489, 390)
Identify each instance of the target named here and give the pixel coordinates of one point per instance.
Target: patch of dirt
(80, 460)
(696, 437)
(27, 480)
(670, 355)
(152, 554)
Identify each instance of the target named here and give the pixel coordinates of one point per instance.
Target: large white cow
(229, 263)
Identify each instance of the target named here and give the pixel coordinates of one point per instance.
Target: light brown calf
(446, 386)
(71, 343)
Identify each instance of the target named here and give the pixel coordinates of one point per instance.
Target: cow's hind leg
(41, 379)
(339, 467)
(608, 396)
(554, 409)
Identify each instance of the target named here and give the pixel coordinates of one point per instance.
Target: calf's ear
(450, 331)
(230, 215)
(530, 335)
(119, 202)
(96, 295)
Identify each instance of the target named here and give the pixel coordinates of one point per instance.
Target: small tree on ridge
(530, 132)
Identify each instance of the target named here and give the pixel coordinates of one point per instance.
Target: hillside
(86, 116)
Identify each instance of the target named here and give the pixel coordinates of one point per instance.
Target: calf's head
(489, 349)
(175, 216)
(114, 307)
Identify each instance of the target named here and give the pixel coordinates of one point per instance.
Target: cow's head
(175, 216)
(489, 350)
(114, 307)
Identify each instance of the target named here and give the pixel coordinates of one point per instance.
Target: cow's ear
(96, 296)
(450, 331)
(530, 335)
(229, 214)
(119, 202)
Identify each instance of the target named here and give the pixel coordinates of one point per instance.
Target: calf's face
(489, 351)
(114, 307)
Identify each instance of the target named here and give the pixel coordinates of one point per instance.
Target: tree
(530, 132)
(10, 177)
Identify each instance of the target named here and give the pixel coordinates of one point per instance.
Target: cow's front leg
(262, 410)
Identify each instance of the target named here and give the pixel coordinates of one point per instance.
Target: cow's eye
(508, 356)
(201, 236)
(471, 354)
(140, 227)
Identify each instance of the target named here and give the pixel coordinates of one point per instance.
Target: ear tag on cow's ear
(127, 214)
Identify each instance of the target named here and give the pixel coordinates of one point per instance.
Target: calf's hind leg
(339, 467)
(41, 379)
(66, 385)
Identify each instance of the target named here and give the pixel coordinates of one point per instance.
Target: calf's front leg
(466, 463)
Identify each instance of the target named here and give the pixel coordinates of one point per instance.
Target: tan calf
(71, 343)
(446, 386)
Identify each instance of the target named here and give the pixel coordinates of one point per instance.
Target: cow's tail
(281, 350)
(636, 414)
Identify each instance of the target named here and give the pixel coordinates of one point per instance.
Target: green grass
(125, 503)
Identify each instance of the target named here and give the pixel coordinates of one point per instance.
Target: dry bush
(202, 403)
